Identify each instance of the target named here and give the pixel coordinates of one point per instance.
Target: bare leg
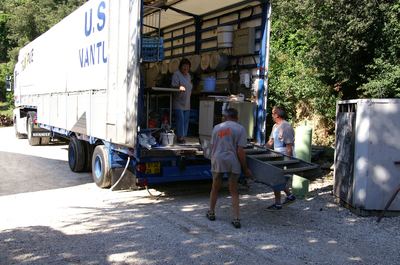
(216, 185)
(287, 191)
(277, 197)
(233, 184)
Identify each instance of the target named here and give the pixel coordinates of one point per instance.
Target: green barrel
(302, 151)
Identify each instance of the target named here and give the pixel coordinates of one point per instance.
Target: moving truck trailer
(101, 78)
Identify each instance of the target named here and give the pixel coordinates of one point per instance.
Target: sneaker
(275, 207)
(210, 215)
(289, 199)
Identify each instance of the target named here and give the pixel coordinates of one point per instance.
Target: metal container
(367, 149)
(167, 138)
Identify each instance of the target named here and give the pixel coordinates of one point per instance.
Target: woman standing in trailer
(181, 100)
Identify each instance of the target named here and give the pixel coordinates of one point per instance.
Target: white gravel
(77, 223)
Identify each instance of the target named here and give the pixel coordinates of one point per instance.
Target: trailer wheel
(89, 154)
(17, 134)
(101, 170)
(32, 140)
(76, 155)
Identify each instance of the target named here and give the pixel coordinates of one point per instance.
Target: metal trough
(273, 168)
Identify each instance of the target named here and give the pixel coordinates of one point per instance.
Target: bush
(5, 120)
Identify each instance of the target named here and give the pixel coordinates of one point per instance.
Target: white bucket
(167, 139)
(225, 36)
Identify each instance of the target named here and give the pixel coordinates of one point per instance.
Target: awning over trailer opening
(177, 11)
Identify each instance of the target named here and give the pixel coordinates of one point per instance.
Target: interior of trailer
(222, 40)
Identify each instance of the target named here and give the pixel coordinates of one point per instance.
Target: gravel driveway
(50, 215)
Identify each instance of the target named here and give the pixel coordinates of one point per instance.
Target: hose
(122, 174)
(156, 197)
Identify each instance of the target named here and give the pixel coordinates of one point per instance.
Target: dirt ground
(50, 215)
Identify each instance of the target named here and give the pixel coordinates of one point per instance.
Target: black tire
(76, 155)
(101, 170)
(17, 134)
(88, 154)
(32, 140)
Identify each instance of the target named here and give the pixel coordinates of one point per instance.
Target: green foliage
(323, 51)
(351, 36)
(6, 98)
(383, 81)
(6, 109)
(27, 19)
(21, 21)
(293, 79)
(6, 69)
(383, 74)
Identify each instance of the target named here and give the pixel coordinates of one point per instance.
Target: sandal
(210, 215)
(236, 223)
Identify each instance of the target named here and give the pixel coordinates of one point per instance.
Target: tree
(383, 74)
(31, 18)
(322, 51)
(353, 39)
(293, 78)
(21, 21)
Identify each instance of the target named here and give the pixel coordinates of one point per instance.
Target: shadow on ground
(26, 173)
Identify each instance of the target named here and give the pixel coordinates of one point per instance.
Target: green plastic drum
(302, 151)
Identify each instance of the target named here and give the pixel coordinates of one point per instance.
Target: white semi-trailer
(101, 78)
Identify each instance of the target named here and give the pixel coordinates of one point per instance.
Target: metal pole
(262, 93)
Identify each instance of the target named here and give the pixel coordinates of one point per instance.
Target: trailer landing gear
(32, 140)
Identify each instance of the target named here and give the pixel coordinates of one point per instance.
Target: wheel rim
(98, 167)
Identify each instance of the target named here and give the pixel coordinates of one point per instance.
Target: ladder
(273, 168)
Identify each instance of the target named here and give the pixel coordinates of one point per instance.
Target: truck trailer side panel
(83, 74)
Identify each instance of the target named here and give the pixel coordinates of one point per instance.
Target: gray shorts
(219, 175)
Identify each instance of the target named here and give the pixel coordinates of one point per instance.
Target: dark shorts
(281, 187)
(219, 175)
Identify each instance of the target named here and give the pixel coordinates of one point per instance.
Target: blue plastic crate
(152, 49)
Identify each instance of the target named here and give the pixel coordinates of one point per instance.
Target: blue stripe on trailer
(171, 174)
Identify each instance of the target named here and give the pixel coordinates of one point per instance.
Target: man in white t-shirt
(228, 157)
(282, 140)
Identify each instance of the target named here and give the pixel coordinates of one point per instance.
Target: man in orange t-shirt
(228, 157)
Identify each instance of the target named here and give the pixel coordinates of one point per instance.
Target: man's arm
(242, 159)
(289, 149)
